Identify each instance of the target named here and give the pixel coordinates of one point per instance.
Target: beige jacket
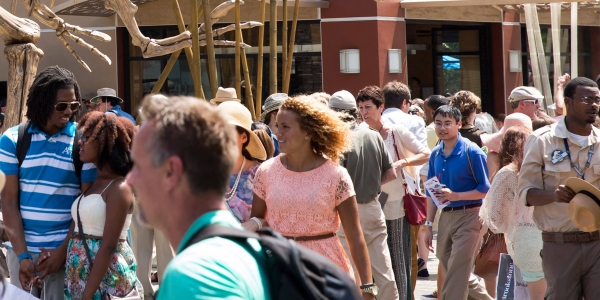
(539, 172)
(407, 146)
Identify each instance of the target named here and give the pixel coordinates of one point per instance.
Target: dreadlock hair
(42, 94)
(115, 135)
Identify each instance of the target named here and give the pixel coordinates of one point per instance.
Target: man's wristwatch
(370, 288)
(429, 223)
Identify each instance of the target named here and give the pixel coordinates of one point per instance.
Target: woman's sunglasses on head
(62, 106)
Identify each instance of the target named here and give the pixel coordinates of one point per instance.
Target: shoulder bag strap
(222, 231)
(401, 171)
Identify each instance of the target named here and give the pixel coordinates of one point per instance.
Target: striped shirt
(47, 183)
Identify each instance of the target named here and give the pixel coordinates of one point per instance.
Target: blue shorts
(532, 276)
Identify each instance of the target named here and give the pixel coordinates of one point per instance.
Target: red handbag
(415, 206)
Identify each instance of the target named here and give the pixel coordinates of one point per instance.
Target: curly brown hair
(115, 135)
(467, 103)
(513, 145)
(330, 136)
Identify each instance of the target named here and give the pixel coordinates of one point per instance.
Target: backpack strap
(23, 141)
(470, 165)
(221, 231)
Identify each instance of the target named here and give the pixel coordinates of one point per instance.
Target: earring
(306, 137)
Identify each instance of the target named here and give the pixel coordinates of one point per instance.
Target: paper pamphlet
(433, 184)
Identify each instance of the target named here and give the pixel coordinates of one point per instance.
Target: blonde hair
(467, 103)
(321, 97)
(330, 136)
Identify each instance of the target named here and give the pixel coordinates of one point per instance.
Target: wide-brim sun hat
(106, 93)
(493, 141)
(238, 115)
(225, 95)
(272, 103)
(584, 208)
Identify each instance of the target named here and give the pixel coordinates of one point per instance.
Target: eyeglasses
(439, 125)
(535, 102)
(62, 106)
(590, 100)
(413, 112)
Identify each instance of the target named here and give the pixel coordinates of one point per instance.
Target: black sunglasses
(62, 106)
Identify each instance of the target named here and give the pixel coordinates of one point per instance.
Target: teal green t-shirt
(216, 268)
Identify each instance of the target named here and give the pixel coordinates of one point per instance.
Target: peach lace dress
(304, 204)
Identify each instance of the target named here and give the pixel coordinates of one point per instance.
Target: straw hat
(224, 95)
(106, 93)
(494, 141)
(272, 103)
(584, 208)
(238, 115)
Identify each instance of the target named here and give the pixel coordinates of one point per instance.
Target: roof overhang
(441, 3)
(96, 7)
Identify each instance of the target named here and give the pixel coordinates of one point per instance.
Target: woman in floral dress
(104, 211)
(239, 197)
(303, 193)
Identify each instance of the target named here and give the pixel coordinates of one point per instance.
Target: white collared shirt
(415, 124)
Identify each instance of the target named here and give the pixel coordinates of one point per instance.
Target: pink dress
(304, 204)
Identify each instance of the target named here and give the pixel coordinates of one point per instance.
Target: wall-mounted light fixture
(514, 60)
(350, 61)
(395, 60)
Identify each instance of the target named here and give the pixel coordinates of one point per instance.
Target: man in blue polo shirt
(461, 166)
(108, 102)
(37, 198)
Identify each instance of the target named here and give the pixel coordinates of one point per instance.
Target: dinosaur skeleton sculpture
(20, 35)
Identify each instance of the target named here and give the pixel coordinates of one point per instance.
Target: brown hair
(198, 134)
(372, 93)
(395, 93)
(467, 103)
(513, 146)
(266, 141)
(542, 121)
(114, 134)
(330, 136)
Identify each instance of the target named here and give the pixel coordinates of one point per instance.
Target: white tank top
(93, 214)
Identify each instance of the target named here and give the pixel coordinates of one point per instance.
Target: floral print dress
(241, 203)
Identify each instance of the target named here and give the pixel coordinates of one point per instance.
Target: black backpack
(24, 141)
(295, 272)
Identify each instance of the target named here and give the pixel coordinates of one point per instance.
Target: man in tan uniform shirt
(570, 258)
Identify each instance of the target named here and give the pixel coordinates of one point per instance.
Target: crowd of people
(86, 202)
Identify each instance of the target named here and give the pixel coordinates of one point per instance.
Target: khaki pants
(572, 270)
(142, 239)
(459, 238)
(53, 286)
(374, 230)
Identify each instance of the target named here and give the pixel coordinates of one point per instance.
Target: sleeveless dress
(120, 278)
(305, 204)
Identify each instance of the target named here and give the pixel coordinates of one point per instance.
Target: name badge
(558, 156)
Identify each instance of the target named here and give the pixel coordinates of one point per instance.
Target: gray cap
(273, 102)
(525, 93)
(342, 100)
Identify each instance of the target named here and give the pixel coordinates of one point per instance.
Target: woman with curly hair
(303, 193)
(99, 261)
(407, 154)
(504, 212)
(467, 103)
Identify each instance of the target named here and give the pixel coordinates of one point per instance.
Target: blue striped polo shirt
(48, 184)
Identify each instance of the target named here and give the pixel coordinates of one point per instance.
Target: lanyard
(587, 164)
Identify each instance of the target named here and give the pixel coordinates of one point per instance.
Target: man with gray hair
(526, 100)
(183, 154)
(369, 165)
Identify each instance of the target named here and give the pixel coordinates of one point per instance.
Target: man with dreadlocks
(39, 192)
